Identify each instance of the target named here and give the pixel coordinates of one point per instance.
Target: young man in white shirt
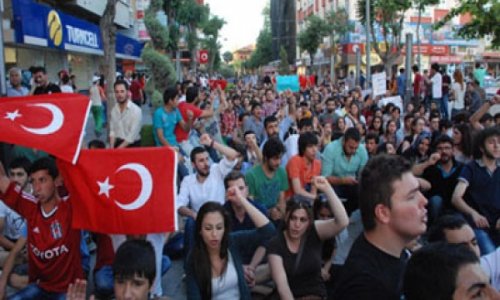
(437, 85)
(206, 184)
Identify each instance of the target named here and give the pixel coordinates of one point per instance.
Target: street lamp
(367, 48)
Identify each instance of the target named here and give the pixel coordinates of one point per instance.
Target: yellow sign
(374, 59)
(55, 28)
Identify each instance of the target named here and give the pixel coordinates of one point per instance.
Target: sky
(243, 18)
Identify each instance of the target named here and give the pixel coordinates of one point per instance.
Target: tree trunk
(108, 33)
(419, 60)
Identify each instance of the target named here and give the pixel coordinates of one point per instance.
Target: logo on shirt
(36, 230)
(49, 253)
(56, 230)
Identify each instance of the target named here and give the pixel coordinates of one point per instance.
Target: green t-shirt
(266, 190)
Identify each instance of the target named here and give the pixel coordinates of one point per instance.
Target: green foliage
(310, 38)
(263, 53)
(211, 29)
(338, 24)
(227, 71)
(159, 34)
(227, 56)
(485, 19)
(161, 67)
(284, 68)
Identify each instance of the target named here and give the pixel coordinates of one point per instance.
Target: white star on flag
(105, 187)
(13, 115)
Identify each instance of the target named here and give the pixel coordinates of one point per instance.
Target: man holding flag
(53, 246)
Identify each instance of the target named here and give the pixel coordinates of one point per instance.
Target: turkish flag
(123, 191)
(214, 83)
(53, 123)
(203, 56)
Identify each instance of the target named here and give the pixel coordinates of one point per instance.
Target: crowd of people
(315, 194)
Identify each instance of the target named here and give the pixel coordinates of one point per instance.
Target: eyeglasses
(302, 201)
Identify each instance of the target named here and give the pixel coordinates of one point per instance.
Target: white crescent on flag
(54, 125)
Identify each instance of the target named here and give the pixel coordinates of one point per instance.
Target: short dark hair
(39, 69)
(269, 119)
(122, 82)
(135, 258)
(45, 163)
(352, 133)
(446, 222)
(20, 162)
(273, 148)
(435, 67)
(169, 94)
(196, 151)
(415, 68)
(305, 140)
(435, 265)
(305, 122)
(442, 139)
(96, 144)
(376, 184)
(232, 176)
(191, 94)
(255, 105)
(481, 138)
(372, 136)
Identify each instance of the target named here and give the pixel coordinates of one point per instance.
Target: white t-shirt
(459, 93)
(66, 88)
(95, 96)
(491, 265)
(13, 222)
(194, 194)
(226, 285)
(437, 85)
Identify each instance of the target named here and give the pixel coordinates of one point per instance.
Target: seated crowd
(316, 194)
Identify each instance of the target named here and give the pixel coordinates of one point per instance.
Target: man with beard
(267, 182)
(477, 194)
(206, 184)
(43, 85)
(441, 170)
(126, 119)
(329, 116)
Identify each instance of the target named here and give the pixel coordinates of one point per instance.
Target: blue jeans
(444, 107)
(434, 207)
(33, 291)
(484, 241)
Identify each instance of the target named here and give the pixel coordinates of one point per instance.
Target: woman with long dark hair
(214, 266)
(295, 254)
(462, 143)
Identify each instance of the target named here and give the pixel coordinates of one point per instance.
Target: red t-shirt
(183, 107)
(417, 82)
(303, 81)
(105, 253)
(135, 90)
(54, 259)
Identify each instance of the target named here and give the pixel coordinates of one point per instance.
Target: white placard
(396, 100)
(379, 84)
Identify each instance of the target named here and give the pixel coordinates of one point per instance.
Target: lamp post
(368, 50)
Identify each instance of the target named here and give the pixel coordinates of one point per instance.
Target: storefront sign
(40, 25)
(428, 50)
(449, 59)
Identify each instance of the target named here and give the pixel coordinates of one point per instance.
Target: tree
(421, 4)
(263, 53)
(192, 15)
(338, 26)
(310, 38)
(108, 34)
(211, 30)
(154, 55)
(227, 56)
(386, 19)
(284, 67)
(485, 19)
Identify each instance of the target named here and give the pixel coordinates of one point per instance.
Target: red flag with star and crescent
(123, 191)
(53, 123)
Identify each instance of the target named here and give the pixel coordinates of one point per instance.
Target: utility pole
(367, 48)
(3, 83)
(409, 56)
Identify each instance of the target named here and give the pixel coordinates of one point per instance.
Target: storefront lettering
(82, 37)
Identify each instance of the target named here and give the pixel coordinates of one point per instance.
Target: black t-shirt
(443, 184)
(306, 279)
(49, 89)
(370, 273)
